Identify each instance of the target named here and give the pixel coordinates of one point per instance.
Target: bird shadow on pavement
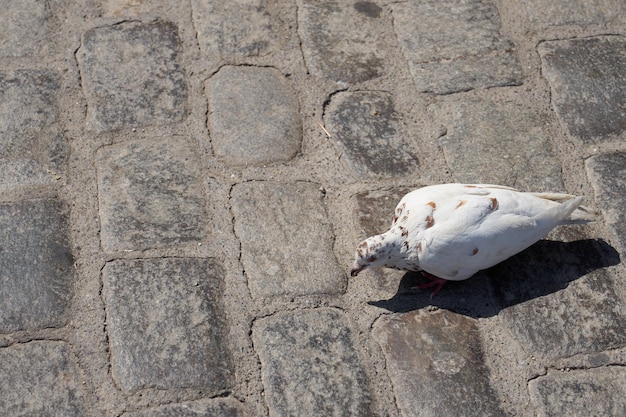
(545, 268)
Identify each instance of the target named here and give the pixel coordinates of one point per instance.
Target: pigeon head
(374, 251)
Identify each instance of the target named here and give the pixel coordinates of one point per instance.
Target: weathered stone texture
(542, 13)
(36, 266)
(39, 379)
(498, 143)
(607, 173)
(580, 393)
(368, 131)
(557, 300)
(455, 46)
(435, 362)
(26, 28)
(166, 324)
(206, 408)
(150, 194)
(310, 365)
(238, 28)
(254, 116)
(132, 75)
(341, 41)
(588, 82)
(286, 239)
(33, 149)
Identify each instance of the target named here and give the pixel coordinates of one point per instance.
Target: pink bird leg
(434, 282)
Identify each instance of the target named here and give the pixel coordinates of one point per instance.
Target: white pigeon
(452, 231)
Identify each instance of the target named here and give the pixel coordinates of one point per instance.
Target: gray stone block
(580, 393)
(150, 194)
(543, 13)
(39, 379)
(25, 28)
(254, 116)
(498, 143)
(588, 82)
(310, 365)
(558, 301)
(166, 324)
(33, 149)
(35, 266)
(207, 408)
(435, 362)
(237, 28)
(132, 76)
(367, 129)
(607, 174)
(342, 41)
(286, 239)
(375, 209)
(455, 46)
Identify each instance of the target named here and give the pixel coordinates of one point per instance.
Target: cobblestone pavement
(183, 184)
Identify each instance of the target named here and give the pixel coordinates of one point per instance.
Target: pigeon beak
(356, 268)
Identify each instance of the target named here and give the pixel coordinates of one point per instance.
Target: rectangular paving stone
(26, 28)
(435, 362)
(36, 266)
(542, 13)
(204, 408)
(41, 379)
(497, 143)
(588, 82)
(557, 299)
(150, 194)
(455, 46)
(266, 101)
(239, 28)
(374, 209)
(132, 76)
(580, 393)
(367, 130)
(286, 239)
(33, 149)
(607, 173)
(342, 41)
(310, 365)
(166, 324)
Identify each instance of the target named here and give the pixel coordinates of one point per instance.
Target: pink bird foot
(434, 282)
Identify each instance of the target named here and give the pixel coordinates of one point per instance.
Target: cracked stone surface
(607, 173)
(510, 134)
(455, 46)
(33, 148)
(132, 75)
(341, 41)
(435, 362)
(36, 273)
(282, 243)
(585, 392)
(40, 378)
(264, 98)
(310, 365)
(368, 132)
(588, 82)
(166, 324)
(151, 194)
